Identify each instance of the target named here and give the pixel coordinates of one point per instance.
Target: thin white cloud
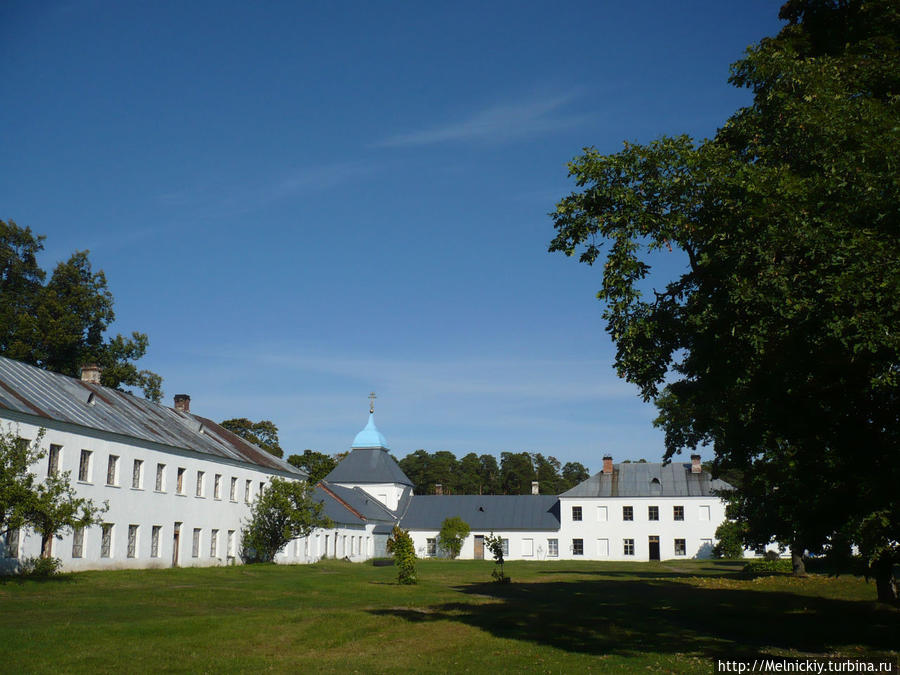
(496, 123)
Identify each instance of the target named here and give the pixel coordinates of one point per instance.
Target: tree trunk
(798, 567)
(885, 583)
(46, 546)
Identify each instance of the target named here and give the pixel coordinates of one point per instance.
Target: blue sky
(300, 203)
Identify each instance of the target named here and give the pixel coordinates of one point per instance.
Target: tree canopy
(482, 474)
(316, 464)
(284, 511)
(454, 531)
(61, 325)
(776, 342)
(263, 434)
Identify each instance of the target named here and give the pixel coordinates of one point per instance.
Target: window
(527, 548)
(704, 513)
(84, 466)
(655, 487)
(200, 476)
(506, 547)
(154, 541)
(179, 485)
(217, 486)
(111, 469)
(248, 491)
(233, 494)
(160, 477)
(213, 543)
(578, 547)
(576, 513)
(678, 512)
(552, 548)
(106, 540)
(11, 543)
(262, 486)
(601, 514)
(628, 546)
(230, 550)
(132, 540)
(195, 548)
(431, 547)
(680, 547)
(652, 513)
(603, 548)
(53, 467)
(78, 542)
(137, 474)
(627, 513)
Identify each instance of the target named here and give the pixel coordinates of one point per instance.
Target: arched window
(655, 486)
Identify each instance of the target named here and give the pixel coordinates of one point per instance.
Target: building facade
(179, 487)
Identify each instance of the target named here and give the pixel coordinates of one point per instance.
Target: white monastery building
(179, 487)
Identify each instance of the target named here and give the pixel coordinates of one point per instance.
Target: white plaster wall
(518, 550)
(698, 533)
(146, 507)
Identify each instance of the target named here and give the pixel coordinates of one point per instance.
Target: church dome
(370, 437)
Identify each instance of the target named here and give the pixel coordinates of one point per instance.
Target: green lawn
(554, 617)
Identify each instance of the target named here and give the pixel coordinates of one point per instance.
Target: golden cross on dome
(372, 398)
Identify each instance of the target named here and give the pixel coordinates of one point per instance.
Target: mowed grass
(554, 617)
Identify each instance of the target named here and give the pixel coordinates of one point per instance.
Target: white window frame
(137, 475)
(78, 542)
(112, 471)
(85, 462)
(160, 477)
(154, 541)
(132, 541)
(552, 548)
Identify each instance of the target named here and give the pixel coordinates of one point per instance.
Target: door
(479, 547)
(176, 540)
(654, 548)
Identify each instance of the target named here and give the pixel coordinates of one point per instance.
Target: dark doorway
(479, 547)
(654, 548)
(176, 540)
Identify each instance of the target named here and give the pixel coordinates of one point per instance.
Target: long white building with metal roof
(179, 487)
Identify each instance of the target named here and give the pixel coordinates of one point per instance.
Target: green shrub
(400, 545)
(755, 568)
(729, 543)
(452, 535)
(40, 568)
(495, 546)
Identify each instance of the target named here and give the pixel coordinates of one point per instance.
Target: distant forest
(481, 474)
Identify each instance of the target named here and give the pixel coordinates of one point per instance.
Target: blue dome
(369, 437)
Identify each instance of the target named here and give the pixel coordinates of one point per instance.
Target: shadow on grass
(641, 616)
(20, 579)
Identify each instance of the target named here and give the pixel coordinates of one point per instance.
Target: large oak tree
(777, 343)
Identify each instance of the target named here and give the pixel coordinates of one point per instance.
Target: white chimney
(90, 372)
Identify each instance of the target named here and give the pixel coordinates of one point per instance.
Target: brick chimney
(438, 489)
(535, 488)
(183, 403)
(607, 464)
(90, 372)
(695, 464)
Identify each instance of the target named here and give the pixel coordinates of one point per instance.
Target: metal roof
(368, 465)
(484, 512)
(360, 502)
(645, 479)
(40, 393)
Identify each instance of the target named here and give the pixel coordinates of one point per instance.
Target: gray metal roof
(484, 513)
(32, 391)
(361, 502)
(645, 479)
(368, 465)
